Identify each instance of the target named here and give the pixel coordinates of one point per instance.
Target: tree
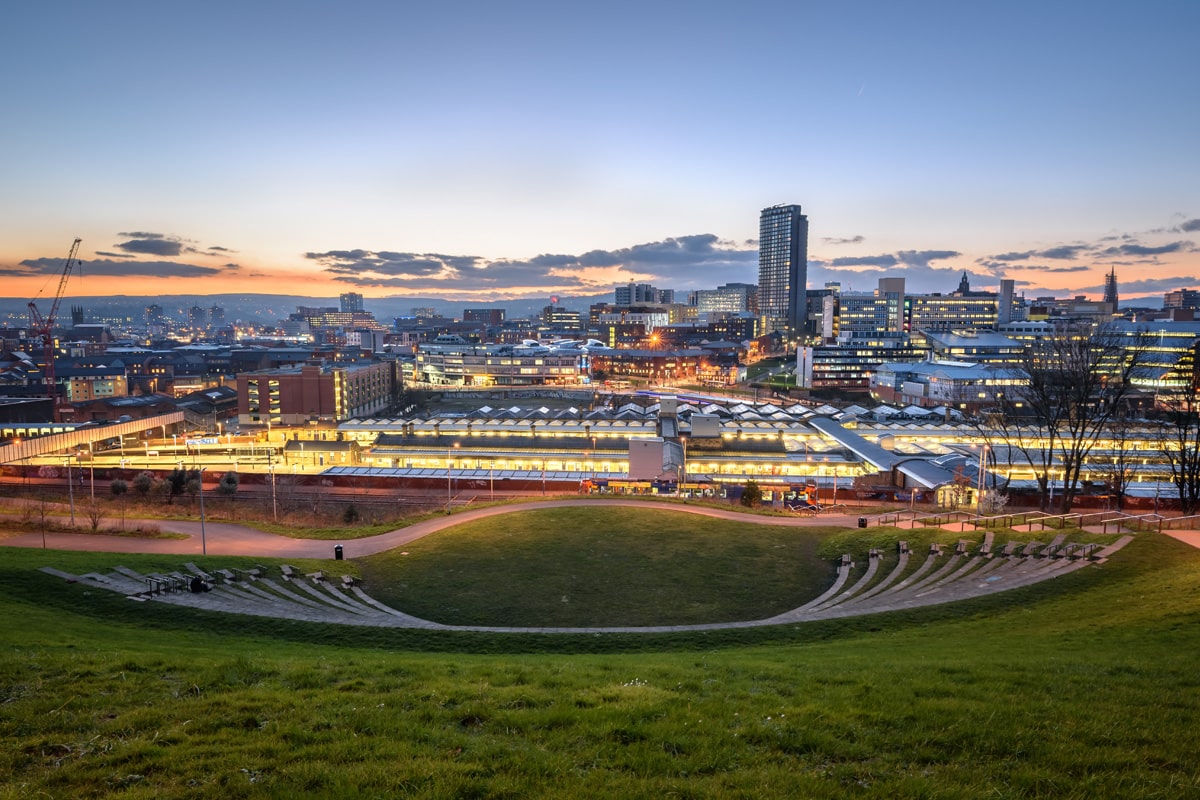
(95, 514)
(751, 494)
(176, 481)
(119, 488)
(143, 483)
(1180, 447)
(228, 486)
(191, 484)
(1071, 382)
(1124, 433)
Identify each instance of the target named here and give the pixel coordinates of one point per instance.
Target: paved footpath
(226, 539)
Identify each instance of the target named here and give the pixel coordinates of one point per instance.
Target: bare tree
(1180, 447)
(1070, 384)
(1120, 464)
(95, 514)
(119, 489)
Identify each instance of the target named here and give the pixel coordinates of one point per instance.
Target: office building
(732, 298)
(1182, 298)
(351, 302)
(484, 316)
(782, 270)
(642, 293)
(316, 392)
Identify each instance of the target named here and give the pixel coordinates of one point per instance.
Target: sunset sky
(489, 150)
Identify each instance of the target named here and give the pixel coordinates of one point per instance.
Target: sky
(481, 151)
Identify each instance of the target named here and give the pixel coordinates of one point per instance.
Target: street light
(449, 464)
(71, 491)
(271, 469)
(982, 471)
(683, 468)
(203, 540)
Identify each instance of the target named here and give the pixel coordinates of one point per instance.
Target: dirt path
(226, 539)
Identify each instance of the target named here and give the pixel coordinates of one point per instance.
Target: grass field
(1084, 686)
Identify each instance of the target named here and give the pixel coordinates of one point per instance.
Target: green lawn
(1081, 687)
(591, 567)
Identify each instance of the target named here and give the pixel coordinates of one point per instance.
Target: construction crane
(44, 327)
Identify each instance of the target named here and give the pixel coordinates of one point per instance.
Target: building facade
(498, 365)
(316, 392)
(782, 270)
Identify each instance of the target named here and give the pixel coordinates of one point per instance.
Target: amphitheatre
(869, 583)
(1024, 659)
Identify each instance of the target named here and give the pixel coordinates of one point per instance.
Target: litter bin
(862, 523)
(337, 551)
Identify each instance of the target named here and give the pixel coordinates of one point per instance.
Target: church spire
(1110, 290)
(964, 286)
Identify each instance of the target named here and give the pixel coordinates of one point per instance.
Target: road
(226, 539)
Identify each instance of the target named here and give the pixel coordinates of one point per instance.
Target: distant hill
(271, 307)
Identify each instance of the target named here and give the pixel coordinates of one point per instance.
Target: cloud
(1061, 252)
(879, 262)
(1065, 251)
(922, 258)
(154, 244)
(1143, 250)
(1021, 256)
(860, 273)
(1164, 285)
(1191, 226)
(698, 260)
(1053, 269)
(836, 241)
(119, 269)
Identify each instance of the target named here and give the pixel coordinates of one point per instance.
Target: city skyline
(489, 153)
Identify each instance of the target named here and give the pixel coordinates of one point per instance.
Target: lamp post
(982, 470)
(683, 468)
(92, 470)
(449, 465)
(203, 540)
(271, 469)
(71, 491)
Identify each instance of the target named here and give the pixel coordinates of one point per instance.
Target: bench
(874, 553)
(903, 547)
(935, 549)
(288, 571)
(847, 561)
(960, 549)
(317, 576)
(1009, 549)
(348, 581)
(227, 575)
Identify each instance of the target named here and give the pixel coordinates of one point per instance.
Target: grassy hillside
(1085, 686)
